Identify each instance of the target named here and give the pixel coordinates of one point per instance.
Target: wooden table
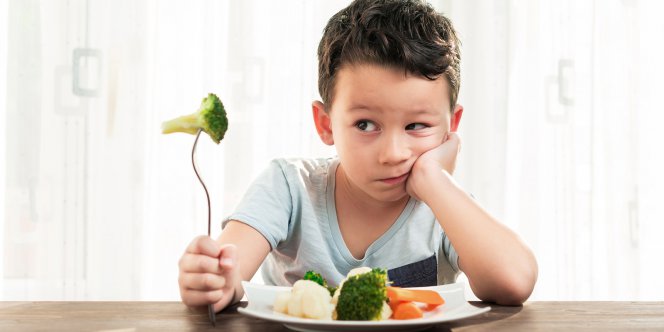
(174, 316)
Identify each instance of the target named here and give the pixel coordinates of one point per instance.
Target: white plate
(261, 299)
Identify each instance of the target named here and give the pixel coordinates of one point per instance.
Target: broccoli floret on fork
(210, 117)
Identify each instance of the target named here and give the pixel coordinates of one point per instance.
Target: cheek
(428, 144)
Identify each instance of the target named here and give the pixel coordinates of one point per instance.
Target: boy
(389, 80)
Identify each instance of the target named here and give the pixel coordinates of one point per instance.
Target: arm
(499, 266)
(211, 271)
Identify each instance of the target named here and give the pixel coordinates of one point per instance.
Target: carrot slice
(431, 307)
(407, 310)
(417, 295)
(394, 304)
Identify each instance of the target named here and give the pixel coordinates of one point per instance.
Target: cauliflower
(307, 299)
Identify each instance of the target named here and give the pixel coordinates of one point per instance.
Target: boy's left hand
(440, 158)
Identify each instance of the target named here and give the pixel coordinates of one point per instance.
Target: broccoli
(211, 117)
(317, 278)
(332, 290)
(362, 296)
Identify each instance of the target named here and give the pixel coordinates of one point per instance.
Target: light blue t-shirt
(292, 205)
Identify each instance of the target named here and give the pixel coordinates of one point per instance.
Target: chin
(393, 196)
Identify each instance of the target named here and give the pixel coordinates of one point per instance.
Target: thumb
(228, 256)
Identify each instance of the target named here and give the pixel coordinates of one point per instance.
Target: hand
(208, 273)
(440, 158)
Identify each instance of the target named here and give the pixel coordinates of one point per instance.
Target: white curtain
(560, 134)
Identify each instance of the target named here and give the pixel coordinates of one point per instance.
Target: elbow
(516, 288)
(515, 293)
(511, 288)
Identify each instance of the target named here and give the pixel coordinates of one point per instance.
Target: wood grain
(174, 316)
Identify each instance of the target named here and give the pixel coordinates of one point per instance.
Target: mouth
(396, 179)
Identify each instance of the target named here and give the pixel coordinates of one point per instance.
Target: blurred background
(563, 110)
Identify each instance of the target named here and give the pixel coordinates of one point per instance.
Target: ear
(456, 118)
(323, 123)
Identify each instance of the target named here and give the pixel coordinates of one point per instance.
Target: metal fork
(213, 317)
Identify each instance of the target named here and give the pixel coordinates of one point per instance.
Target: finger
(454, 139)
(198, 298)
(202, 281)
(195, 263)
(453, 136)
(204, 245)
(228, 257)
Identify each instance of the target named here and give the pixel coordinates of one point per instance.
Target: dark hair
(404, 34)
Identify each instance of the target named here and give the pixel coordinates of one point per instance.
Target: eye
(416, 126)
(365, 125)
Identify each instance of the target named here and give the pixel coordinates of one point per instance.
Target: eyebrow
(363, 108)
(424, 111)
(359, 107)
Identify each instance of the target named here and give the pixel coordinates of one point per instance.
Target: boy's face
(381, 121)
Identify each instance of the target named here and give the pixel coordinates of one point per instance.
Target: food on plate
(317, 278)
(363, 295)
(407, 310)
(307, 299)
(210, 117)
(417, 295)
(402, 302)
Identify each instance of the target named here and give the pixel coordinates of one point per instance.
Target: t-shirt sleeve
(450, 253)
(267, 205)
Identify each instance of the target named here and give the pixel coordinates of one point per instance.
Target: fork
(212, 316)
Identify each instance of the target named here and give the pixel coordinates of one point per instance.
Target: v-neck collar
(336, 231)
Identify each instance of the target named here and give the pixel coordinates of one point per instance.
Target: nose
(394, 149)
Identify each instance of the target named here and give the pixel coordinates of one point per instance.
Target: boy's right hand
(208, 273)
